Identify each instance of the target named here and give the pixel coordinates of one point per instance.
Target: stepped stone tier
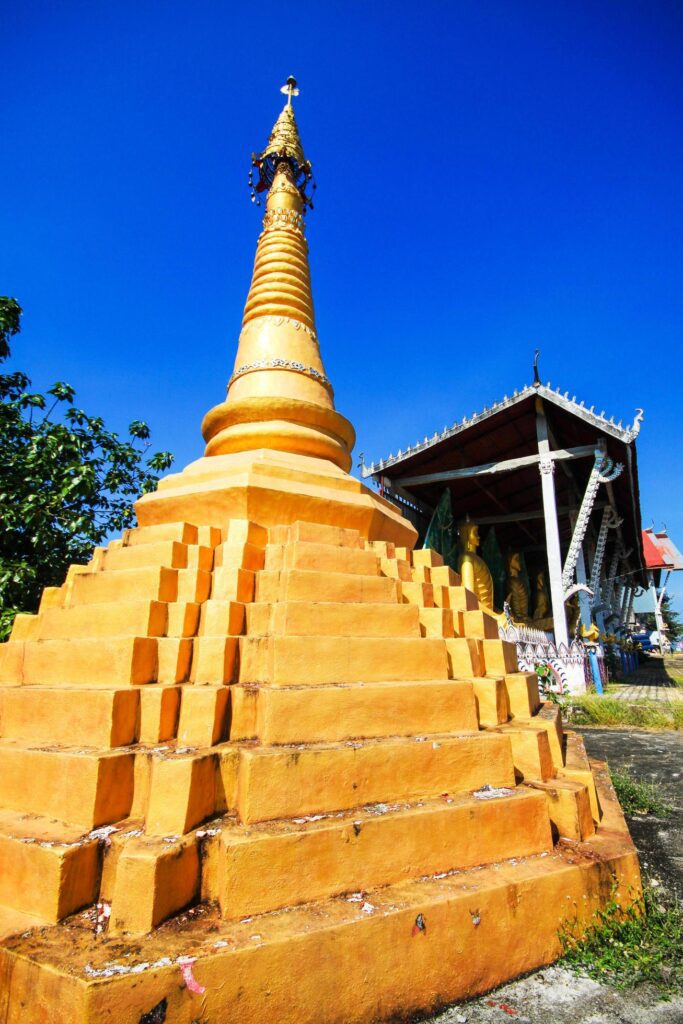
(260, 759)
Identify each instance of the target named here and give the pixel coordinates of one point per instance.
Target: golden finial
(284, 146)
(290, 89)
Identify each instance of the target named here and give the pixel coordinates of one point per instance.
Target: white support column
(626, 600)
(552, 532)
(584, 599)
(629, 609)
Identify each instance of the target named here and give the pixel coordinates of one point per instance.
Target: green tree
(66, 481)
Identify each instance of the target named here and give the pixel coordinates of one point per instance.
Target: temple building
(553, 487)
(262, 759)
(662, 557)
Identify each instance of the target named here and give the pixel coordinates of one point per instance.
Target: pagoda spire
(279, 395)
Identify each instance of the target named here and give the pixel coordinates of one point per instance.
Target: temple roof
(545, 391)
(660, 551)
(490, 464)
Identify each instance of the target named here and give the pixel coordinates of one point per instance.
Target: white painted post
(659, 621)
(584, 599)
(552, 532)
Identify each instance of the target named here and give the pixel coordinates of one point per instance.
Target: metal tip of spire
(289, 89)
(537, 379)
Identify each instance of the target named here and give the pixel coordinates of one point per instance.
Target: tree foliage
(66, 481)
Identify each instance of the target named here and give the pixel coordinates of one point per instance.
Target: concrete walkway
(655, 680)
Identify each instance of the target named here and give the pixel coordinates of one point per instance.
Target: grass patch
(643, 944)
(638, 797)
(591, 709)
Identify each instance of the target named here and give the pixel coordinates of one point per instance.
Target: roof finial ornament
(537, 379)
(290, 89)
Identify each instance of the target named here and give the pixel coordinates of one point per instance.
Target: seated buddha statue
(542, 619)
(474, 571)
(517, 597)
(573, 614)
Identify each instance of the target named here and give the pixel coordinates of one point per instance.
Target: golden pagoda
(262, 760)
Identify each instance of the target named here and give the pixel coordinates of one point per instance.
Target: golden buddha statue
(474, 571)
(590, 635)
(517, 596)
(542, 618)
(541, 603)
(573, 614)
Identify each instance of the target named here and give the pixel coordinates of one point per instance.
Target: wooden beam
(518, 517)
(489, 468)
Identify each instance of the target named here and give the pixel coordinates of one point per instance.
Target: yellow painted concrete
(360, 710)
(302, 860)
(158, 716)
(182, 792)
(289, 781)
(77, 786)
(153, 880)
(47, 869)
(96, 717)
(492, 700)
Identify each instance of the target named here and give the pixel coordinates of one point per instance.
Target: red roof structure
(660, 551)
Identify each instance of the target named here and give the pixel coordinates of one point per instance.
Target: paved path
(655, 680)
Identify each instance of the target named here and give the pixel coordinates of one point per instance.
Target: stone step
(95, 717)
(531, 751)
(479, 624)
(465, 657)
(315, 533)
(285, 715)
(500, 657)
(156, 583)
(47, 869)
(435, 621)
(388, 952)
(320, 558)
(79, 786)
(170, 553)
(522, 691)
(492, 700)
(14, 922)
(549, 717)
(569, 808)
(310, 585)
(286, 782)
(461, 599)
(184, 533)
(182, 789)
(154, 878)
(296, 661)
(118, 619)
(308, 618)
(577, 767)
(382, 845)
(111, 661)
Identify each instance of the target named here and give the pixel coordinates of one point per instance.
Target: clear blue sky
(492, 177)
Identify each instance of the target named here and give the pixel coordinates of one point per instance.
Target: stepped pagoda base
(273, 488)
(342, 960)
(259, 759)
